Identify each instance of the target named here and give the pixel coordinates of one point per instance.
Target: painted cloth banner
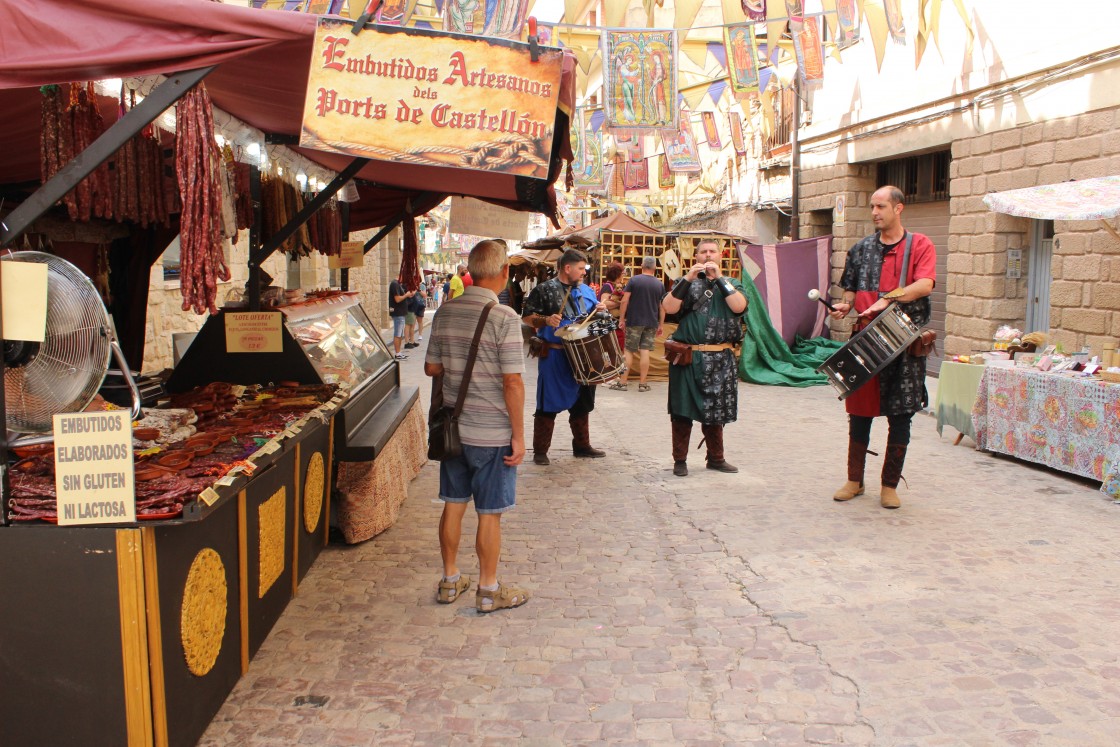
(431, 98)
(640, 71)
(665, 178)
(497, 18)
(680, 147)
(587, 145)
(737, 142)
(742, 57)
(628, 144)
(810, 54)
(784, 274)
(635, 174)
(711, 132)
(847, 15)
(894, 21)
(755, 10)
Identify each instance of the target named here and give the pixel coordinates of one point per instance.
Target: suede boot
(857, 457)
(892, 473)
(682, 433)
(542, 439)
(713, 436)
(581, 438)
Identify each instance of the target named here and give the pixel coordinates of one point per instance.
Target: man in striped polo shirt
(491, 425)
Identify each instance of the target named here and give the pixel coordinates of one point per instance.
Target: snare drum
(594, 359)
(870, 350)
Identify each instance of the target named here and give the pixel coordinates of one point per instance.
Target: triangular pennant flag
(685, 13)
(571, 8)
(876, 17)
(775, 21)
(719, 51)
(732, 11)
(696, 50)
(584, 58)
(614, 13)
(967, 26)
(829, 7)
(921, 39)
(716, 89)
(764, 75)
(597, 118)
(694, 95)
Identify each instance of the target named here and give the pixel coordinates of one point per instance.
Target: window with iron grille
(778, 142)
(923, 178)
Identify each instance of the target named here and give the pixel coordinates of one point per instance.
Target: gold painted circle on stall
(313, 492)
(202, 619)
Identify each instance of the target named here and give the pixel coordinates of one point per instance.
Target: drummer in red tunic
(873, 268)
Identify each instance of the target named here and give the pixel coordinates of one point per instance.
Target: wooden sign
(253, 332)
(479, 218)
(93, 468)
(433, 98)
(352, 255)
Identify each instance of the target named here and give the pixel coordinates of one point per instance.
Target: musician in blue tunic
(551, 305)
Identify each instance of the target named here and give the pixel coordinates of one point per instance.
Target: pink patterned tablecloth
(1070, 424)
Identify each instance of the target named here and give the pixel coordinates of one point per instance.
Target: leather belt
(715, 348)
(554, 345)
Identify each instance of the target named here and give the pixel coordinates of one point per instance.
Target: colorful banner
(680, 147)
(810, 54)
(429, 98)
(665, 178)
(391, 13)
(755, 10)
(635, 174)
(640, 78)
(737, 141)
(628, 144)
(847, 16)
(894, 21)
(497, 18)
(587, 169)
(742, 57)
(711, 132)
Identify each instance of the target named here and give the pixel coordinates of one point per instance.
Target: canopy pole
(109, 142)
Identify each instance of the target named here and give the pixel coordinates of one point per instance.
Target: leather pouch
(678, 353)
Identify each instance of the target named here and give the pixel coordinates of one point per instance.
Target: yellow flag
(571, 7)
(733, 11)
(830, 18)
(685, 13)
(876, 17)
(963, 13)
(614, 13)
(775, 23)
(695, 95)
(695, 50)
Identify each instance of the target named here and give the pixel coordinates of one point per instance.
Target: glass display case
(338, 338)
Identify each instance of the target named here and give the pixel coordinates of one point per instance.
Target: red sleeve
(923, 259)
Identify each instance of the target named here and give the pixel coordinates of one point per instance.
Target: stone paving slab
(716, 609)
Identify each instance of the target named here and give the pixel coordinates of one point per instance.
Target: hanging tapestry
(737, 141)
(680, 146)
(847, 16)
(640, 78)
(665, 178)
(587, 168)
(635, 174)
(742, 57)
(391, 13)
(628, 144)
(505, 18)
(894, 21)
(810, 57)
(711, 132)
(755, 9)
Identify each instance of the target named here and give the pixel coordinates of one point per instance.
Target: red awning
(263, 58)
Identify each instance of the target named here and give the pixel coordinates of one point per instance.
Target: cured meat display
(201, 260)
(280, 201)
(179, 450)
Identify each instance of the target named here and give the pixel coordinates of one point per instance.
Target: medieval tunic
(557, 388)
(708, 389)
(873, 268)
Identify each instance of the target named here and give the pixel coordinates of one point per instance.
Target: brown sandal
(449, 591)
(502, 598)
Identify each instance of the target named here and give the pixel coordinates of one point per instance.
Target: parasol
(1084, 199)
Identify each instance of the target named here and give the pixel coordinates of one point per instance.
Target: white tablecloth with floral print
(1070, 424)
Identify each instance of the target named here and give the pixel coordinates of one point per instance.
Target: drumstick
(815, 295)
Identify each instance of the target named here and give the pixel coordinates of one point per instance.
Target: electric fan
(64, 371)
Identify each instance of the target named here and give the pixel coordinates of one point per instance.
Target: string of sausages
(201, 260)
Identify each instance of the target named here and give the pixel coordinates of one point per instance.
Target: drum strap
(905, 260)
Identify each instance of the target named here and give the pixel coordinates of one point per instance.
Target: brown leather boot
(713, 437)
(581, 438)
(892, 473)
(682, 433)
(542, 439)
(857, 457)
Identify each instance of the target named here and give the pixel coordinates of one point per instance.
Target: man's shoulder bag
(443, 422)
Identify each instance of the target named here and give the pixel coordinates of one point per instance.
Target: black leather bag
(443, 421)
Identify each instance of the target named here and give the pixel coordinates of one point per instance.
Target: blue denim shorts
(480, 472)
(398, 326)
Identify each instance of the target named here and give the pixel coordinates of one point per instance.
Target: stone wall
(1085, 269)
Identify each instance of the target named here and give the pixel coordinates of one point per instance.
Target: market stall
(174, 604)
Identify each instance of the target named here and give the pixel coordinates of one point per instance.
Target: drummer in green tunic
(710, 307)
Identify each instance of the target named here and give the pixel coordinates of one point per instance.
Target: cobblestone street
(716, 609)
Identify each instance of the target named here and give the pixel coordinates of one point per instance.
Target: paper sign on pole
(93, 468)
(253, 332)
(352, 255)
(478, 218)
(25, 301)
(415, 96)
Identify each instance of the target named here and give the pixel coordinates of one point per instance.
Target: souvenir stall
(183, 529)
(1026, 398)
